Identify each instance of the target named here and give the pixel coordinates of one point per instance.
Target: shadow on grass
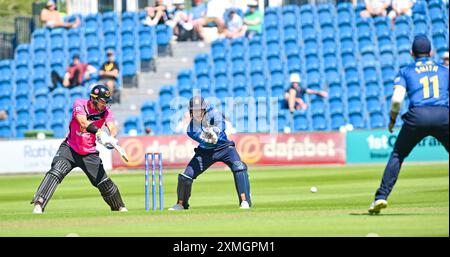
(388, 214)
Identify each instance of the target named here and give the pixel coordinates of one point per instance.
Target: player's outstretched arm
(397, 100)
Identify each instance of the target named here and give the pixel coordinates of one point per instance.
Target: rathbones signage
(36, 155)
(377, 145)
(268, 149)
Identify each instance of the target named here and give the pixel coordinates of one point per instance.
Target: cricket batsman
(207, 127)
(79, 150)
(426, 84)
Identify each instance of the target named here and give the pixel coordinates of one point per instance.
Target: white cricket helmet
(295, 77)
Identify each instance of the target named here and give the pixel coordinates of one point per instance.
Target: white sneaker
(176, 207)
(244, 205)
(123, 209)
(37, 209)
(376, 206)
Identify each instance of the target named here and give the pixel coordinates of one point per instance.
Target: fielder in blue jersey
(207, 127)
(426, 84)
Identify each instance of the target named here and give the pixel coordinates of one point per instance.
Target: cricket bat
(121, 151)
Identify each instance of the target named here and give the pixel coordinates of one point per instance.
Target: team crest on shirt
(397, 79)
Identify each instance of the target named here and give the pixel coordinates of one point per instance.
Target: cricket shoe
(377, 205)
(37, 209)
(123, 209)
(176, 207)
(244, 205)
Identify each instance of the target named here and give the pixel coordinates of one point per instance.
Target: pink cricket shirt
(80, 140)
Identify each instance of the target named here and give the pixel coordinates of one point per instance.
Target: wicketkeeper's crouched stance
(207, 127)
(78, 150)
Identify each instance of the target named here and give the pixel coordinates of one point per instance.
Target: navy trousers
(204, 158)
(419, 122)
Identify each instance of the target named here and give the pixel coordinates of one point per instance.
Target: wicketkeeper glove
(209, 135)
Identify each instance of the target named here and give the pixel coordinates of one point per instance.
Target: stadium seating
(354, 59)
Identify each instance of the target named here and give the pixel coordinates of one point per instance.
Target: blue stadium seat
(270, 21)
(166, 94)
(219, 50)
(259, 87)
(337, 120)
(6, 72)
(273, 50)
(377, 120)
(301, 122)
(220, 68)
(238, 52)
(404, 59)
(373, 104)
(59, 97)
(132, 123)
(163, 34)
(336, 106)
(256, 52)
(319, 122)
(6, 130)
(272, 35)
(354, 106)
(294, 64)
(147, 42)
(40, 39)
(129, 21)
(357, 120)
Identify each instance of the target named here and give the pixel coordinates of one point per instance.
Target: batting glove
(102, 137)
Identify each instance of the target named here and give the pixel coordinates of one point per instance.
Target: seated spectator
(375, 8)
(253, 19)
(445, 59)
(3, 115)
(156, 15)
(109, 72)
(183, 22)
(198, 18)
(294, 94)
(235, 25)
(53, 19)
(75, 75)
(401, 7)
(214, 13)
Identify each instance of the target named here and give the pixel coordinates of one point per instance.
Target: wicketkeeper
(79, 150)
(207, 127)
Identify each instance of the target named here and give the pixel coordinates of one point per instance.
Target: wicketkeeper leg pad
(241, 181)
(184, 189)
(111, 195)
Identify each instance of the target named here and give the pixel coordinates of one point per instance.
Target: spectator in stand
(401, 7)
(183, 22)
(445, 59)
(235, 25)
(156, 15)
(53, 19)
(3, 115)
(376, 8)
(109, 72)
(198, 16)
(75, 75)
(253, 19)
(294, 94)
(215, 10)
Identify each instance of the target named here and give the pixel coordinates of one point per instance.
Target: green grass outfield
(282, 204)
